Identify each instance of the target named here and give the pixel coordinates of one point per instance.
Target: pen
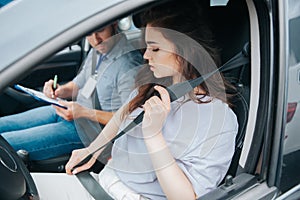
(54, 83)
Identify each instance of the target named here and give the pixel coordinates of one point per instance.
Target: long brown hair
(183, 24)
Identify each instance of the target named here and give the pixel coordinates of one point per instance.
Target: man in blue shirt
(101, 87)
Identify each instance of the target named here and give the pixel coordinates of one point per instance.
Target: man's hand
(49, 92)
(65, 91)
(74, 110)
(48, 89)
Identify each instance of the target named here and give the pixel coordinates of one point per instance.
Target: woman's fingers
(77, 157)
(84, 167)
(73, 161)
(165, 97)
(156, 111)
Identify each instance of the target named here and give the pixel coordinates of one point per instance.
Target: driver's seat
(56, 164)
(49, 165)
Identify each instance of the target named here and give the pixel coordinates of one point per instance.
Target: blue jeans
(41, 132)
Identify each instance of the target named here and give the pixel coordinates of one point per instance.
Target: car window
(4, 2)
(291, 151)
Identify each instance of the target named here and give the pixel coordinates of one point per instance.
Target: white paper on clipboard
(39, 96)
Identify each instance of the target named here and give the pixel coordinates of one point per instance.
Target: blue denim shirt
(116, 75)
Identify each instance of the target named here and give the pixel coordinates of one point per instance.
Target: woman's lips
(151, 67)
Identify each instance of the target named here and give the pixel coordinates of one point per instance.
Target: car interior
(232, 31)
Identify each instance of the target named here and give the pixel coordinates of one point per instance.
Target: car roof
(19, 22)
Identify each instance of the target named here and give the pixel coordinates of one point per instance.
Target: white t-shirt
(201, 138)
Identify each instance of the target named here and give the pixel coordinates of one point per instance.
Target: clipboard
(39, 96)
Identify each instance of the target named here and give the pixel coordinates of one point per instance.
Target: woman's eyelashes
(154, 49)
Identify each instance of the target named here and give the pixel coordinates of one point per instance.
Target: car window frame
(69, 36)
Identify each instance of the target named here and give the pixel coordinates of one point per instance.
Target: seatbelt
(92, 186)
(88, 130)
(175, 91)
(85, 178)
(95, 98)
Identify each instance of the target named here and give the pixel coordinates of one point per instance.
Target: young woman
(182, 149)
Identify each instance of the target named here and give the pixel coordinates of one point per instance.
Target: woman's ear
(180, 62)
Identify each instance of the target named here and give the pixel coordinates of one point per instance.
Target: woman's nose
(147, 54)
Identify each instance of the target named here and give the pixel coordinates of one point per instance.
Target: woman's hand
(76, 157)
(156, 112)
(74, 110)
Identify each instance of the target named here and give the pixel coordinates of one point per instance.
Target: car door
(290, 174)
(269, 164)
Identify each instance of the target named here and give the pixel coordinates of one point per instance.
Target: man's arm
(97, 115)
(76, 111)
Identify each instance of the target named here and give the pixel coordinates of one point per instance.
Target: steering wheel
(16, 181)
(26, 99)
